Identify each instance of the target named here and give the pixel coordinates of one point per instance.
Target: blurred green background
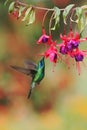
(60, 101)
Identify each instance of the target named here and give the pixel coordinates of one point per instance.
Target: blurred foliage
(60, 101)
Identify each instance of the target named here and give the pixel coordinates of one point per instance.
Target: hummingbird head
(41, 63)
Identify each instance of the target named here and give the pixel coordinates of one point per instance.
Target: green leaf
(86, 19)
(81, 24)
(6, 2)
(56, 17)
(81, 21)
(21, 9)
(27, 13)
(79, 13)
(31, 17)
(66, 12)
(11, 7)
(84, 7)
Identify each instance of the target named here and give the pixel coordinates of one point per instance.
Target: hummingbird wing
(30, 64)
(24, 70)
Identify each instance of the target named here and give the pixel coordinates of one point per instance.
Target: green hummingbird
(36, 71)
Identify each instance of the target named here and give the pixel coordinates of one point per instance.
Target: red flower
(70, 42)
(44, 38)
(70, 48)
(79, 56)
(52, 53)
(15, 14)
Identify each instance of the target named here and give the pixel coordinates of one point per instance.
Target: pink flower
(79, 57)
(70, 42)
(70, 48)
(15, 14)
(44, 38)
(52, 53)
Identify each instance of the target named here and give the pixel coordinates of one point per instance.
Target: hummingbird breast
(39, 76)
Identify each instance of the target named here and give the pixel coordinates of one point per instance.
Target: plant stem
(35, 7)
(50, 23)
(44, 18)
(71, 18)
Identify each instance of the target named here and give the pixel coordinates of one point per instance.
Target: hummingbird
(36, 71)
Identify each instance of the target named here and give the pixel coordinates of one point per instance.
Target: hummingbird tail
(32, 86)
(29, 94)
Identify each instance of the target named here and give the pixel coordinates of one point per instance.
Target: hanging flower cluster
(70, 42)
(52, 51)
(69, 47)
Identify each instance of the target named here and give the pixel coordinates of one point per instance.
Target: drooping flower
(52, 53)
(44, 38)
(79, 57)
(15, 13)
(63, 50)
(70, 42)
(70, 48)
